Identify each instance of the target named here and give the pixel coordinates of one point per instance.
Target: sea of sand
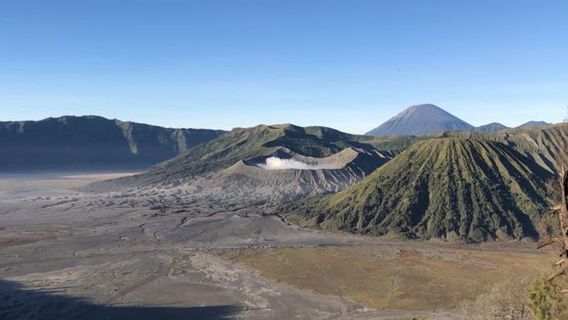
(70, 254)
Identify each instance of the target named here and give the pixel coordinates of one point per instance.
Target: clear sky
(348, 64)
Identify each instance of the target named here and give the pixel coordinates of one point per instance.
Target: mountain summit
(421, 120)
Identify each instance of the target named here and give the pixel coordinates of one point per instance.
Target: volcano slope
(470, 188)
(545, 145)
(241, 164)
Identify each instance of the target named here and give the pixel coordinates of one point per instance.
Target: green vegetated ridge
(245, 143)
(393, 143)
(457, 186)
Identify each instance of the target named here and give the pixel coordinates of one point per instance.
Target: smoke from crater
(275, 163)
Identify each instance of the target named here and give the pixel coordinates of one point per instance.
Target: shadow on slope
(448, 188)
(18, 302)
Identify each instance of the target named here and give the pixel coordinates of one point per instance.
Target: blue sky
(349, 64)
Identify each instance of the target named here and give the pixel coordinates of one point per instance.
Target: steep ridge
(421, 120)
(449, 188)
(92, 142)
(246, 143)
(546, 145)
(312, 160)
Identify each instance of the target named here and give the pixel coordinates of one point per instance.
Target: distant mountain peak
(420, 120)
(534, 124)
(491, 127)
(424, 106)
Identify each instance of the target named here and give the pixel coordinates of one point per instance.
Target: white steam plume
(275, 163)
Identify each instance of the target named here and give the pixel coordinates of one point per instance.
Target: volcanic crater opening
(276, 163)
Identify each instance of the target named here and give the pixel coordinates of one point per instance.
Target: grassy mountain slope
(547, 145)
(390, 143)
(246, 143)
(442, 188)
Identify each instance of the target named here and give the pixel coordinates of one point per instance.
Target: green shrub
(546, 300)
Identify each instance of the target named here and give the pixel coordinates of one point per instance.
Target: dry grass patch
(404, 277)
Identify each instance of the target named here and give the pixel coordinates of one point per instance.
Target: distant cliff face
(92, 142)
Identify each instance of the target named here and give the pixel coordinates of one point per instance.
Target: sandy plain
(151, 254)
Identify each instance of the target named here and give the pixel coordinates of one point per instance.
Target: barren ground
(65, 254)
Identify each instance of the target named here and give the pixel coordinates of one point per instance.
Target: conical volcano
(421, 120)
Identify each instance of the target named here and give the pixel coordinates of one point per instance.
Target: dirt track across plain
(65, 254)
